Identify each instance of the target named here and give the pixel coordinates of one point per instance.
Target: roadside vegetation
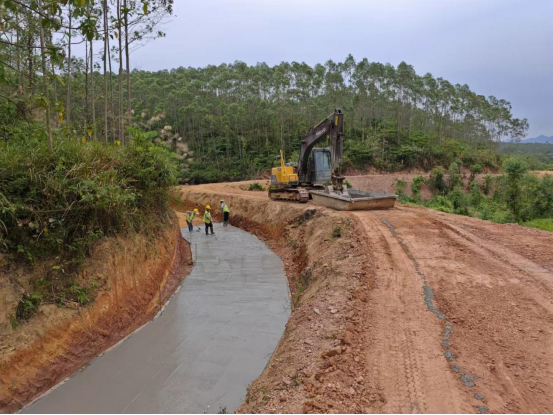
(59, 204)
(516, 196)
(74, 168)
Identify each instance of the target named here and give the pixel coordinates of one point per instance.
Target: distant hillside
(537, 151)
(541, 139)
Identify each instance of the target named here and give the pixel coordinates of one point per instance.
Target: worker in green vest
(208, 220)
(226, 212)
(190, 218)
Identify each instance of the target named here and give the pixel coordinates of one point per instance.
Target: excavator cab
(319, 166)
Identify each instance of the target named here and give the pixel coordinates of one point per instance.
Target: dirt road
(451, 314)
(489, 290)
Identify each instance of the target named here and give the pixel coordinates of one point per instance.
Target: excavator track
(288, 193)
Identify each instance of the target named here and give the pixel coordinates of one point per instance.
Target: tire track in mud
(406, 360)
(465, 377)
(505, 347)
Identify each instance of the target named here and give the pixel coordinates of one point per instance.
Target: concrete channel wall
(212, 340)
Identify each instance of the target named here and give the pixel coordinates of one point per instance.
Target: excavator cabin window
(320, 166)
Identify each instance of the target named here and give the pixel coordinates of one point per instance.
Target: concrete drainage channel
(211, 341)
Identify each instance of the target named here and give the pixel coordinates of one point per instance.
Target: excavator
(318, 175)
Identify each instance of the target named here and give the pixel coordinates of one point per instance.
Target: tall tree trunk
(92, 88)
(86, 89)
(55, 88)
(54, 81)
(30, 53)
(45, 82)
(129, 109)
(111, 100)
(106, 53)
(18, 58)
(68, 101)
(121, 121)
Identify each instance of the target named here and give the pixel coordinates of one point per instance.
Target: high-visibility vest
(225, 207)
(207, 217)
(190, 217)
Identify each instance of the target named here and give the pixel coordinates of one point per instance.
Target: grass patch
(256, 187)
(543, 224)
(28, 306)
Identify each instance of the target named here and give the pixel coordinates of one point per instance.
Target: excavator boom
(332, 126)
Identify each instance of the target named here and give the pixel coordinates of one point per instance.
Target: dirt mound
(402, 310)
(139, 276)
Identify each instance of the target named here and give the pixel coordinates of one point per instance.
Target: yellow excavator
(316, 167)
(318, 173)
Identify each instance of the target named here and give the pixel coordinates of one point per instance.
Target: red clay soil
(140, 277)
(406, 310)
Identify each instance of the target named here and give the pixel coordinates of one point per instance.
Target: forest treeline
(66, 63)
(234, 118)
(228, 121)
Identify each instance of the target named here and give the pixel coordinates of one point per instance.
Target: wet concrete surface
(212, 340)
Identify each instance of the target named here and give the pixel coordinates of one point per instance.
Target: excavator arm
(332, 126)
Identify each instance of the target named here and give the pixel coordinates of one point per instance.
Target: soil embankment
(402, 310)
(138, 276)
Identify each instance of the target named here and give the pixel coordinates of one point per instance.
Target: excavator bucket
(350, 199)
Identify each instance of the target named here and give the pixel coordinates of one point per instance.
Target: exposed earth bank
(402, 310)
(135, 276)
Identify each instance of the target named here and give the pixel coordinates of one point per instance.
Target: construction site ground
(401, 310)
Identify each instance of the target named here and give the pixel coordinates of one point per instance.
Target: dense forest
(229, 121)
(234, 118)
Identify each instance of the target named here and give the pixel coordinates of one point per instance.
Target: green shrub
(503, 216)
(475, 194)
(59, 204)
(13, 322)
(27, 306)
(400, 190)
(488, 180)
(441, 203)
(436, 181)
(460, 201)
(416, 186)
(516, 169)
(475, 169)
(256, 187)
(337, 231)
(454, 173)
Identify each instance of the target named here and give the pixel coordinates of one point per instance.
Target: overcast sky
(497, 47)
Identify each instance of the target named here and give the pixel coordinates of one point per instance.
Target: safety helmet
(208, 207)
(222, 200)
(195, 210)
